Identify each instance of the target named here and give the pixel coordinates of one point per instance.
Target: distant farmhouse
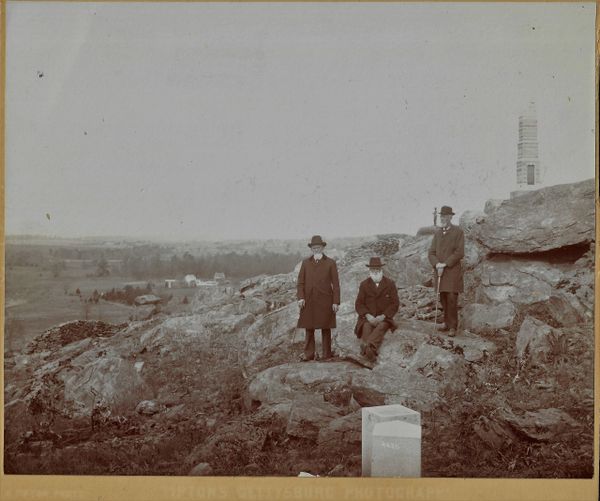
(170, 283)
(190, 280)
(219, 277)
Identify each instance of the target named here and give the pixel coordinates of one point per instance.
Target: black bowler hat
(446, 211)
(375, 262)
(317, 240)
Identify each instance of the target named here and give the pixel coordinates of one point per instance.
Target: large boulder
(519, 281)
(542, 220)
(308, 396)
(536, 339)
(558, 291)
(413, 366)
(271, 340)
(282, 383)
(411, 262)
(103, 374)
(482, 317)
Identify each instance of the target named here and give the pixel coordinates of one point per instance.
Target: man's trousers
(372, 337)
(449, 302)
(309, 344)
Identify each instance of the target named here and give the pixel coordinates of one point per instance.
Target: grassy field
(35, 300)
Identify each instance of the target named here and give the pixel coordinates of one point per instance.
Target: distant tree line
(234, 265)
(153, 261)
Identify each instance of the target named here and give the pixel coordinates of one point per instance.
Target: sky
(231, 121)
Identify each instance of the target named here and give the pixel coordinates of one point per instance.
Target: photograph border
(83, 488)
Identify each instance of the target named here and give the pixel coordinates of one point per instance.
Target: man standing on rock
(318, 292)
(445, 254)
(376, 304)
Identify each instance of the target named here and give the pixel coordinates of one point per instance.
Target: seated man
(376, 304)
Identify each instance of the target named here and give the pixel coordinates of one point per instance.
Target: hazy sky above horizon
(200, 120)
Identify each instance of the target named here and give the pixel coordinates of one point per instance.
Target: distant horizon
(154, 238)
(184, 240)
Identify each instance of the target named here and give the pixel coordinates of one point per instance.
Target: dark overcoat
(449, 249)
(376, 301)
(319, 285)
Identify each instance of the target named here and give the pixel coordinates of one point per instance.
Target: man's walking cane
(439, 277)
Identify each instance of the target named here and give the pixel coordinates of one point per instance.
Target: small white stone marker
(396, 450)
(372, 416)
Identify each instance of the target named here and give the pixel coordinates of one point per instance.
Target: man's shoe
(329, 357)
(304, 358)
(451, 332)
(370, 354)
(360, 360)
(442, 328)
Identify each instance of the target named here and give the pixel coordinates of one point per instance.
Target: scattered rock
(543, 424)
(338, 470)
(469, 219)
(492, 205)
(253, 305)
(147, 407)
(496, 434)
(309, 414)
(473, 355)
(367, 397)
(201, 470)
(252, 469)
(344, 429)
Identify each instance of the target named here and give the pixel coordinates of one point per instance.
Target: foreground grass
(452, 448)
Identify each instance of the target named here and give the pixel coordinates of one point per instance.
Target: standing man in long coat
(445, 254)
(318, 292)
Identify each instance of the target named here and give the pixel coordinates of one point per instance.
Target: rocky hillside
(222, 391)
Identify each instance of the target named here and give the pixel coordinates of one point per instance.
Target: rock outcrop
(550, 218)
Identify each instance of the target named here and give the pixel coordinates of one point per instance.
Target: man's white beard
(318, 256)
(376, 277)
